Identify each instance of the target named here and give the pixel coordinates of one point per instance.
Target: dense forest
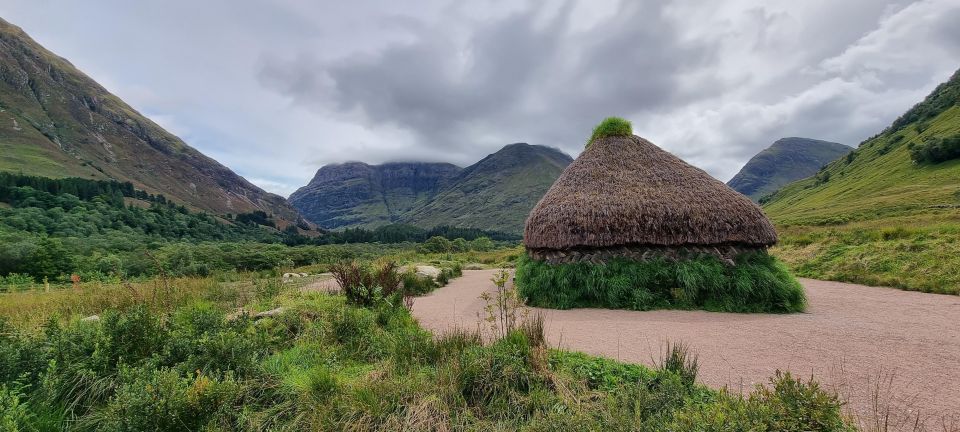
(51, 228)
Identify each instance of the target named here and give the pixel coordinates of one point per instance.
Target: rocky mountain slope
(787, 160)
(494, 194)
(57, 122)
(497, 192)
(355, 194)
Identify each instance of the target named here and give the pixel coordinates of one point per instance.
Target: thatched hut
(626, 204)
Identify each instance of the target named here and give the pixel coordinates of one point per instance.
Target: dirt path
(850, 336)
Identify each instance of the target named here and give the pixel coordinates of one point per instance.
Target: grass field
(877, 217)
(175, 355)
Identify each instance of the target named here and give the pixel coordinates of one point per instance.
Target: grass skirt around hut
(757, 283)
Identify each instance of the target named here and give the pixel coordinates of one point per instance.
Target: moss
(611, 126)
(757, 283)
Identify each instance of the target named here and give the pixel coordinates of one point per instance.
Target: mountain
(493, 194)
(355, 194)
(888, 213)
(787, 160)
(880, 178)
(497, 192)
(57, 122)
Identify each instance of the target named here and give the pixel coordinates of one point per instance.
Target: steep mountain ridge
(497, 192)
(355, 194)
(55, 121)
(494, 194)
(786, 160)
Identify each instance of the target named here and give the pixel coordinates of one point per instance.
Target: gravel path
(853, 338)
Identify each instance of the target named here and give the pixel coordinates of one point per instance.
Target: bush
(165, 400)
(757, 283)
(936, 150)
(365, 285)
(15, 414)
(436, 244)
(481, 244)
(415, 285)
(15, 282)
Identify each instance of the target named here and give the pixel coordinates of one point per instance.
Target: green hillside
(787, 160)
(55, 121)
(877, 216)
(495, 193)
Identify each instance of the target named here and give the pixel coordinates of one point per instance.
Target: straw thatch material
(624, 190)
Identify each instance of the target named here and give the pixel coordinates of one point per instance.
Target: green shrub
(165, 400)
(757, 283)
(15, 282)
(611, 126)
(936, 150)
(436, 244)
(15, 414)
(415, 285)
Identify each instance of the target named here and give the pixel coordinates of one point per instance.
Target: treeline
(83, 189)
(397, 233)
(942, 98)
(51, 228)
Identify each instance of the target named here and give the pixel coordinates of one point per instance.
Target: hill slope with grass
(889, 212)
(57, 122)
(355, 194)
(495, 193)
(787, 160)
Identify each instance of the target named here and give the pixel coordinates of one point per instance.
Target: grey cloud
(513, 78)
(276, 88)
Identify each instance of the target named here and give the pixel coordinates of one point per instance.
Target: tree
(436, 244)
(481, 244)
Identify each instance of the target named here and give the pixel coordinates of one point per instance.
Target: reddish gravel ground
(882, 349)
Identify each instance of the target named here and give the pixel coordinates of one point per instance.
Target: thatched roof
(624, 190)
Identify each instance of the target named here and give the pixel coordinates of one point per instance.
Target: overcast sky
(276, 89)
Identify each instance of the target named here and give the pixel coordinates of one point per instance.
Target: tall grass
(757, 283)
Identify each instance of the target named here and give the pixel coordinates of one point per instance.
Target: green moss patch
(757, 283)
(611, 126)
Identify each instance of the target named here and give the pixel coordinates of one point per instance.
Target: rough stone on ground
(427, 271)
(269, 313)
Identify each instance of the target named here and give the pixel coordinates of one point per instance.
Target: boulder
(427, 271)
(269, 313)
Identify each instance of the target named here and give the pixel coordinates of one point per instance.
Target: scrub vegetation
(185, 358)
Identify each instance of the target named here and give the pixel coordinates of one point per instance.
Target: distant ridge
(355, 194)
(787, 160)
(493, 194)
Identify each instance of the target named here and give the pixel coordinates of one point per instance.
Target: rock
(91, 318)
(293, 275)
(269, 313)
(304, 275)
(427, 271)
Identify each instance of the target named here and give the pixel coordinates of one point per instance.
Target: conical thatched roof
(624, 190)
